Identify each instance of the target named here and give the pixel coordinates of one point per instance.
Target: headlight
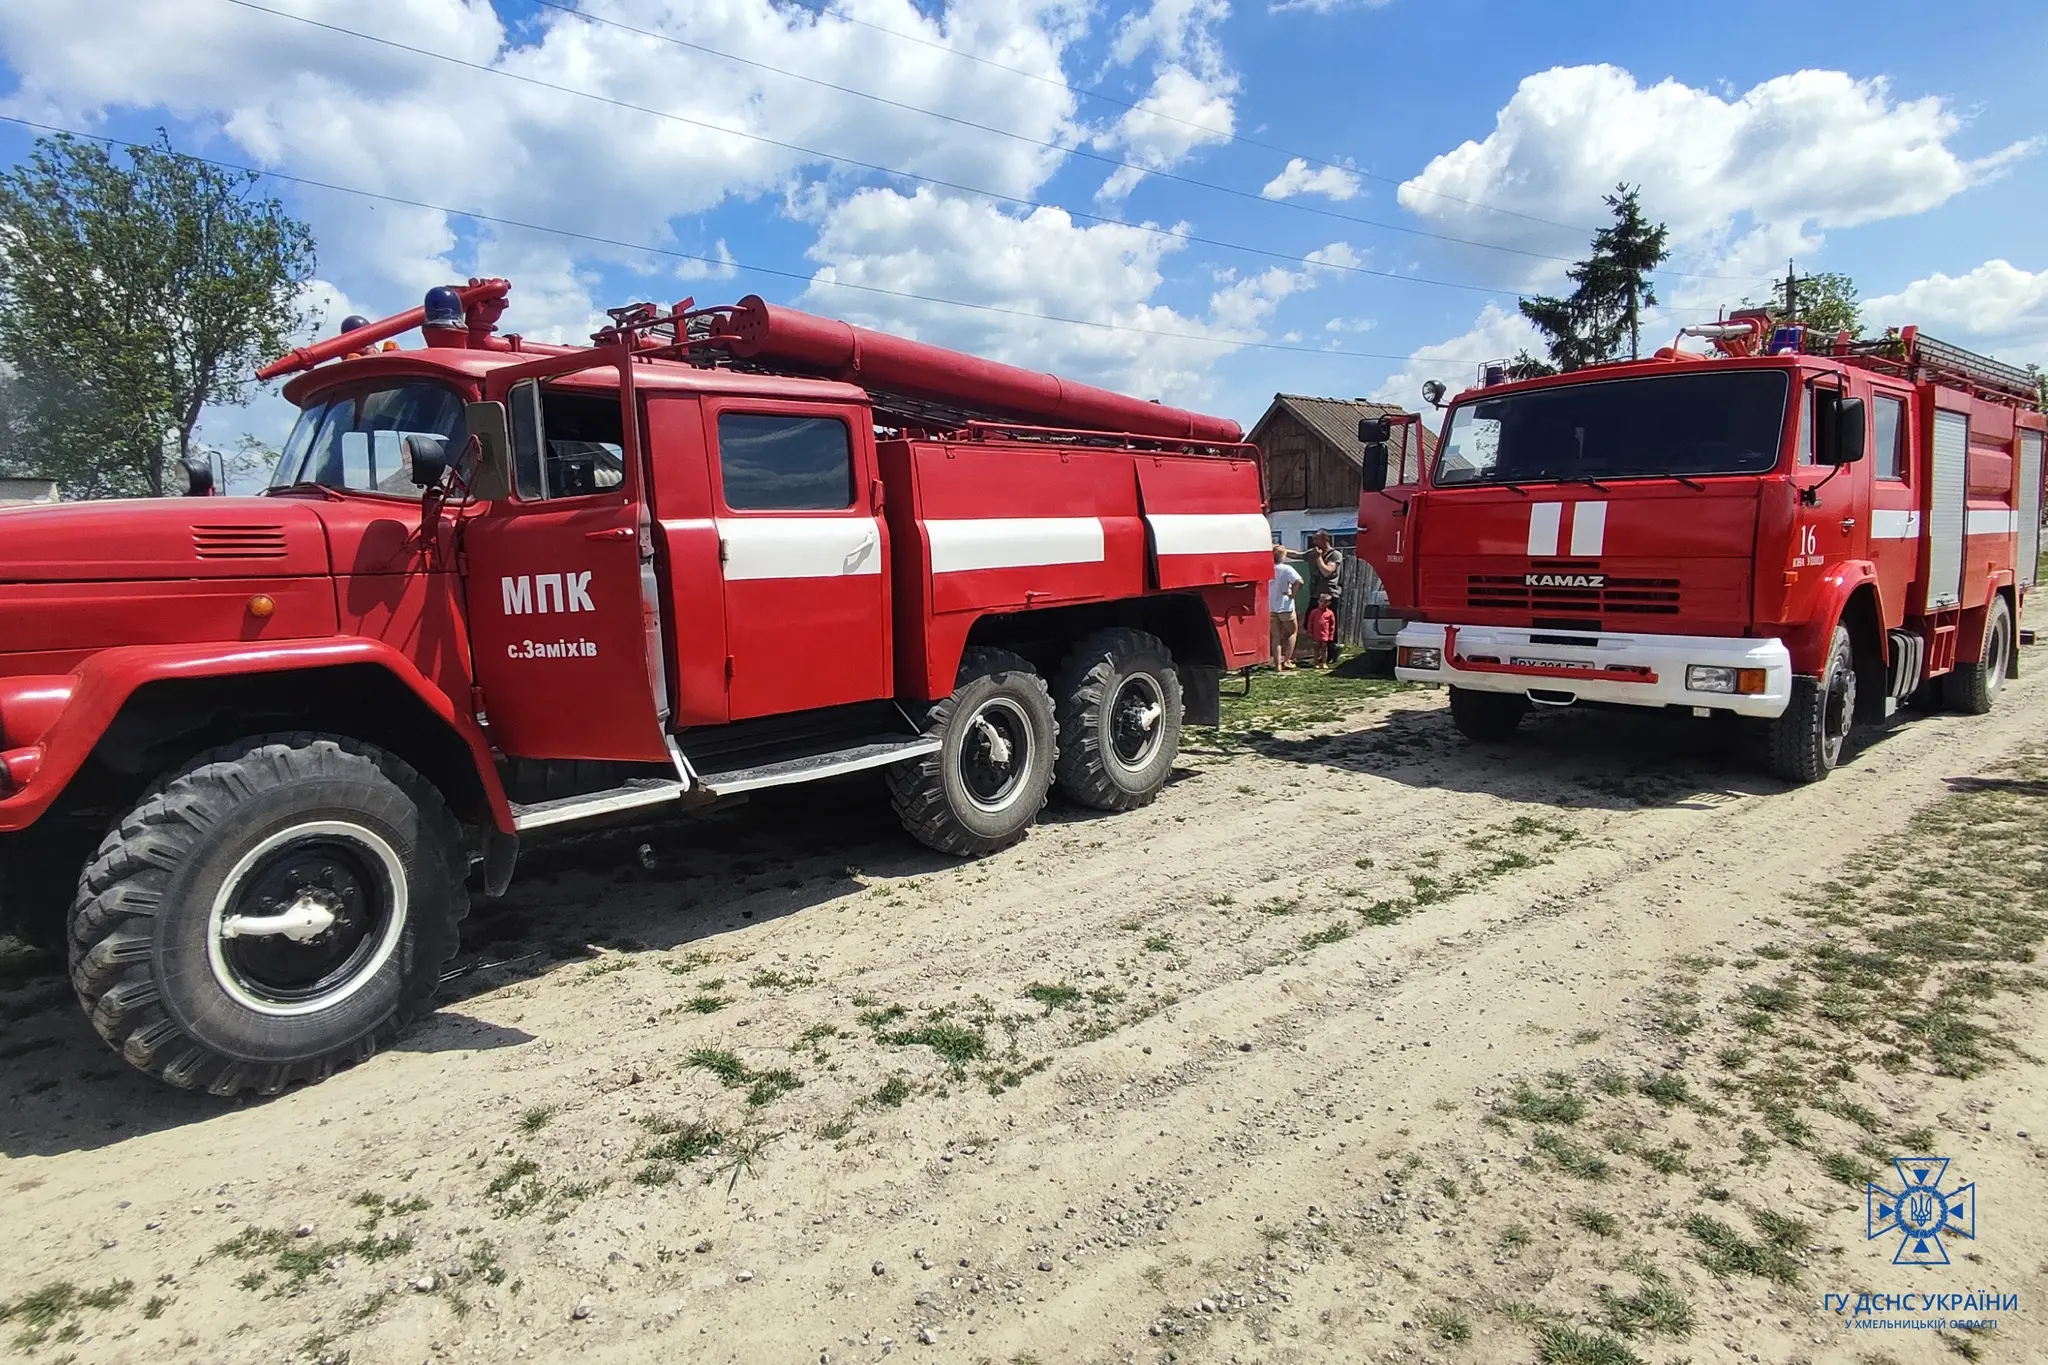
(1425, 657)
(1712, 678)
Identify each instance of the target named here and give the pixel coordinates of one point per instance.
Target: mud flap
(1201, 691)
(501, 855)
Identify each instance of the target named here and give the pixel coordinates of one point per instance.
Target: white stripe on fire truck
(800, 547)
(1991, 523)
(1543, 517)
(1892, 524)
(1589, 529)
(1210, 533)
(1013, 542)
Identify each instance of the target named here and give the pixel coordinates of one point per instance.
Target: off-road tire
(141, 930)
(1107, 672)
(931, 794)
(1806, 742)
(1487, 717)
(1973, 686)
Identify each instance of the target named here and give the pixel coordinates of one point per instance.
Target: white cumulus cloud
(1496, 334)
(1745, 177)
(1997, 305)
(1298, 177)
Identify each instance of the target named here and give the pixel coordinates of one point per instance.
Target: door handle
(610, 533)
(1848, 525)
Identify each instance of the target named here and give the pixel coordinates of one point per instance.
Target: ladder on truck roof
(1911, 354)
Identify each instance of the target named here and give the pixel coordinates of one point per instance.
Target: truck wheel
(1973, 686)
(279, 908)
(1487, 717)
(1120, 719)
(985, 784)
(1806, 741)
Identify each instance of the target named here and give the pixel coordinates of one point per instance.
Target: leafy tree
(1825, 301)
(130, 298)
(1611, 287)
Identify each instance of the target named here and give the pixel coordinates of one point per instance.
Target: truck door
(554, 578)
(1386, 526)
(1828, 528)
(1894, 500)
(803, 552)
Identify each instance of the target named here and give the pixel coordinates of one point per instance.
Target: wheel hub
(307, 917)
(1134, 714)
(995, 754)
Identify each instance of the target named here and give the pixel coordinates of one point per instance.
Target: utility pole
(1791, 291)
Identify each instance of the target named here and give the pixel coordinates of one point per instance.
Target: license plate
(1553, 663)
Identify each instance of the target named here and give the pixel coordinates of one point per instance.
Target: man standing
(1280, 603)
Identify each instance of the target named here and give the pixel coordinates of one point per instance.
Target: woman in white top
(1280, 604)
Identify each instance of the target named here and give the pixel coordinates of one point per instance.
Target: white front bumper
(1550, 674)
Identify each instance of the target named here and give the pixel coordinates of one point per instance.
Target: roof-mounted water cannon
(462, 315)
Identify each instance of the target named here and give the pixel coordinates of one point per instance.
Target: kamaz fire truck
(1807, 530)
(252, 749)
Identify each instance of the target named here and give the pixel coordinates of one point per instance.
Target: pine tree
(1611, 287)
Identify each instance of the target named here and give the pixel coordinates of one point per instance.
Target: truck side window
(784, 464)
(585, 452)
(1888, 439)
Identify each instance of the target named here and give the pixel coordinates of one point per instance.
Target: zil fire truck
(1806, 530)
(252, 749)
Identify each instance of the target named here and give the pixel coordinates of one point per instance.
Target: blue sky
(1458, 148)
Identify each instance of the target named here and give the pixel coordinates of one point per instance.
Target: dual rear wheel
(1107, 732)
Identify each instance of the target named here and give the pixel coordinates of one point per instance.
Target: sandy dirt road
(1360, 1044)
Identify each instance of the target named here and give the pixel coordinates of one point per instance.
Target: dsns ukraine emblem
(1921, 1213)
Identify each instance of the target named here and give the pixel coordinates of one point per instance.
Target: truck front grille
(1604, 595)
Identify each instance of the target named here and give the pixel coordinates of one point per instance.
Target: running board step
(878, 754)
(655, 791)
(641, 791)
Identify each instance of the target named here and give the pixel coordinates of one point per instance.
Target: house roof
(1335, 420)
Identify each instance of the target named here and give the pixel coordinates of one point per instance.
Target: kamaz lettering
(1564, 580)
(541, 593)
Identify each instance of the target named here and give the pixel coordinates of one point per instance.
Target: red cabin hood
(158, 538)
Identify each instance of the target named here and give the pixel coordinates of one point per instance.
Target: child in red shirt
(1322, 628)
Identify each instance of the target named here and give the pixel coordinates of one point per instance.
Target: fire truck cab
(1802, 530)
(254, 749)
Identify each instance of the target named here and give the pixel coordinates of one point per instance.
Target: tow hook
(305, 918)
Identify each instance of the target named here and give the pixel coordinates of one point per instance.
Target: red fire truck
(252, 749)
(1803, 529)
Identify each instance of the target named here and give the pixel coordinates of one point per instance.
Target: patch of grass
(53, 1309)
(1611, 1083)
(1334, 932)
(1572, 1159)
(1848, 1170)
(1665, 1087)
(1734, 1058)
(730, 1070)
(1662, 1160)
(956, 1044)
(1656, 1307)
(606, 966)
(1516, 1236)
(1447, 1324)
(517, 1188)
(831, 1130)
(536, 1118)
(1057, 996)
(1917, 1141)
(766, 1087)
(706, 1003)
(1161, 942)
(1380, 914)
(1560, 1345)
(1586, 1036)
(771, 980)
(892, 1092)
(1725, 1251)
(1556, 1105)
(1599, 1222)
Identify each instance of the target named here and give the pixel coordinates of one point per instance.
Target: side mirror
(1373, 466)
(488, 424)
(1433, 393)
(528, 439)
(1374, 430)
(1849, 424)
(198, 477)
(428, 457)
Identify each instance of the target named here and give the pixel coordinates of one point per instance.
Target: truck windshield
(356, 440)
(1668, 424)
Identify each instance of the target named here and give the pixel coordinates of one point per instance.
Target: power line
(812, 152)
(722, 262)
(1094, 94)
